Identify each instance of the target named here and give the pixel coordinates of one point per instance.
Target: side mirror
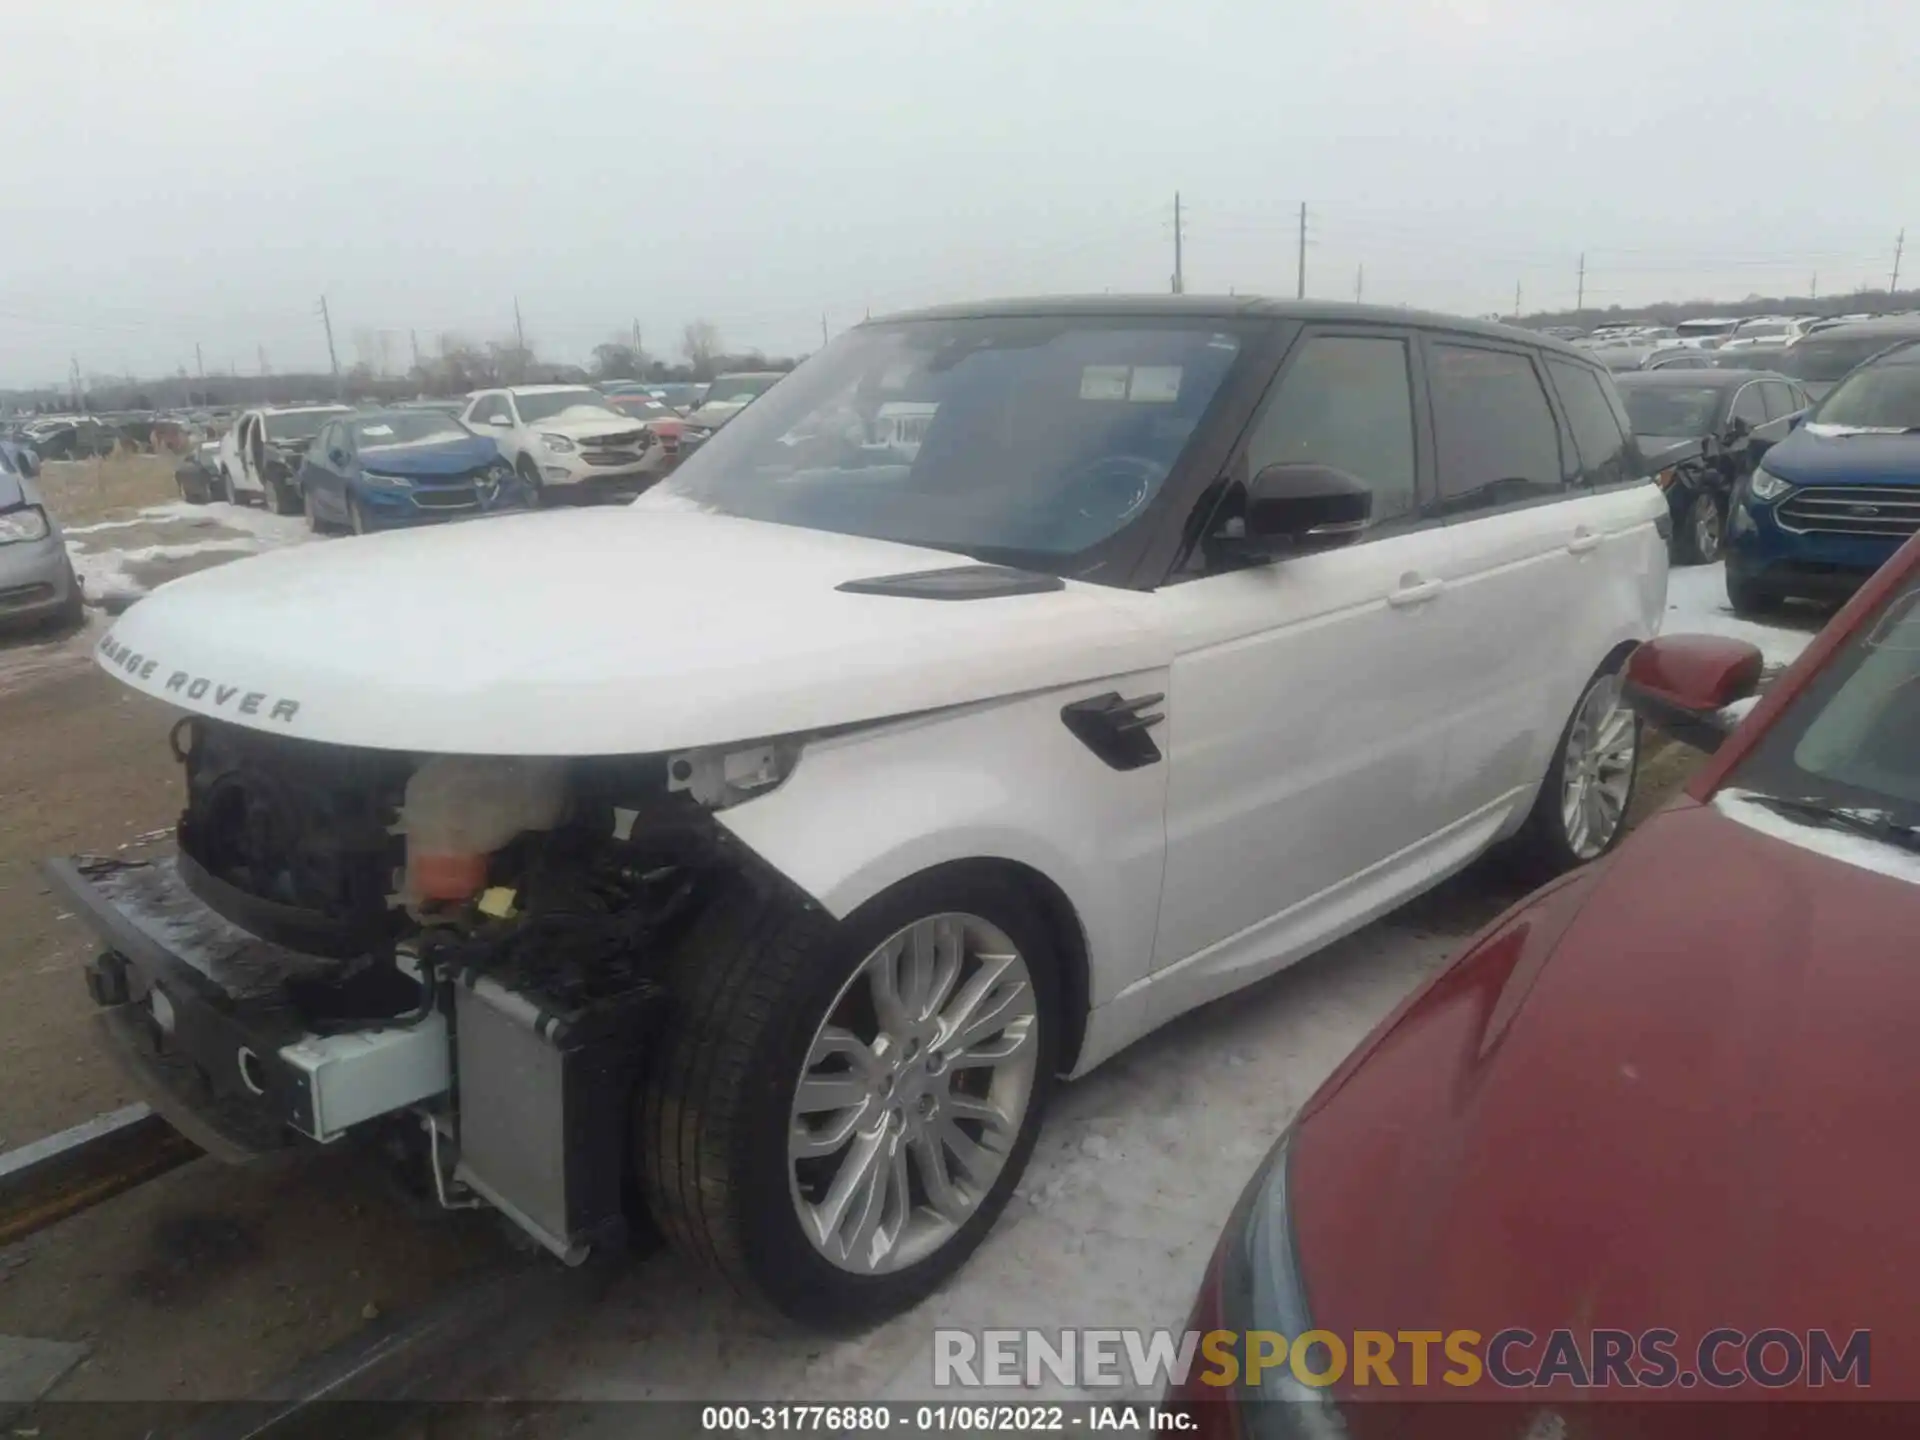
(1682, 684)
(1296, 509)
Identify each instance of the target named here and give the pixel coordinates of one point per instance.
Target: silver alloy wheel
(913, 1092)
(1706, 529)
(1602, 745)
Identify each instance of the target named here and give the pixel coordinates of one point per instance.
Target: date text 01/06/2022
(935, 1419)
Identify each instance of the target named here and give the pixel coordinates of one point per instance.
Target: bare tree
(700, 343)
(617, 360)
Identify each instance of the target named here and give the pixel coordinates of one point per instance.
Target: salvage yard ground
(204, 1284)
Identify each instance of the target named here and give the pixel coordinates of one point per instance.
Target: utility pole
(413, 339)
(1179, 265)
(519, 330)
(1580, 294)
(1300, 291)
(261, 352)
(1899, 244)
(1516, 299)
(76, 382)
(823, 327)
(1813, 286)
(1359, 283)
(333, 360)
(200, 368)
(636, 340)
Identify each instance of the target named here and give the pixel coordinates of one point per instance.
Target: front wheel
(281, 497)
(839, 1112)
(1747, 596)
(1581, 810)
(529, 474)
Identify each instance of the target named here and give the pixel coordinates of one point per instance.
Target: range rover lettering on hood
(203, 689)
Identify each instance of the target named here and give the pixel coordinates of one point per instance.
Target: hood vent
(961, 582)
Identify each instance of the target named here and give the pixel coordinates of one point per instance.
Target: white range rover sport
(770, 848)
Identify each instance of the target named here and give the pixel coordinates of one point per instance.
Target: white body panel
(596, 632)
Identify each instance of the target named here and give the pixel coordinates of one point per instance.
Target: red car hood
(1699, 1108)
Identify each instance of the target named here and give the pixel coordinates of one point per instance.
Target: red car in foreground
(1645, 1158)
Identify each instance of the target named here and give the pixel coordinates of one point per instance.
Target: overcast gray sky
(178, 173)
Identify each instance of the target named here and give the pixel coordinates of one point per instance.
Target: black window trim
(1562, 435)
(1636, 460)
(1180, 567)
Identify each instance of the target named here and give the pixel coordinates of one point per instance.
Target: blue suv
(1828, 504)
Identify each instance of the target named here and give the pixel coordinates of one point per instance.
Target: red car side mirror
(1681, 683)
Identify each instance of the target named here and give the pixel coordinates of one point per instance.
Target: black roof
(1231, 307)
(1709, 379)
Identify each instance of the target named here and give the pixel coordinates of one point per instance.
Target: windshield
(546, 404)
(1820, 357)
(735, 389)
(641, 404)
(1670, 409)
(1881, 396)
(406, 427)
(299, 424)
(1028, 439)
(1848, 740)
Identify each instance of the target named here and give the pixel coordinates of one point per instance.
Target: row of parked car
(498, 449)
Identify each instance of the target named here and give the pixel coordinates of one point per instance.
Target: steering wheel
(1112, 489)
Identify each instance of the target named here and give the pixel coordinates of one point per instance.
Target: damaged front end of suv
(463, 954)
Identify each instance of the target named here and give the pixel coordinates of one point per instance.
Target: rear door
(1305, 762)
(1521, 553)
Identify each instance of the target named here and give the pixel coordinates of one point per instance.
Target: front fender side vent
(1116, 728)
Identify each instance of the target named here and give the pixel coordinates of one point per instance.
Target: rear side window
(1495, 439)
(1345, 401)
(1749, 406)
(1780, 399)
(1597, 435)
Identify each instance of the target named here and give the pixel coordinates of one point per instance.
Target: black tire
(749, 985)
(281, 497)
(194, 492)
(1748, 597)
(529, 474)
(1699, 535)
(73, 614)
(1542, 848)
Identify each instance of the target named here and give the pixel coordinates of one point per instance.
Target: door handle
(1414, 591)
(1583, 541)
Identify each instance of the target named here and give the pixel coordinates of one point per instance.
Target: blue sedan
(380, 469)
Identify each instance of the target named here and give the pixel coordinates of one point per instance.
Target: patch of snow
(1697, 604)
(1732, 715)
(1861, 850)
(242, 531)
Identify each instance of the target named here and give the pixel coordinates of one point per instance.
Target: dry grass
(81, 492)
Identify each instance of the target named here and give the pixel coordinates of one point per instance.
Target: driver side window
(1344, 401)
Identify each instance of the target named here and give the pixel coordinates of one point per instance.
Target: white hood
(588, 632)
(577, 424)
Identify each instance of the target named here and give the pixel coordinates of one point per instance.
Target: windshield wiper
(1873, 824)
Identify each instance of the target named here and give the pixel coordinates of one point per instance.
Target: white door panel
(1302, 742)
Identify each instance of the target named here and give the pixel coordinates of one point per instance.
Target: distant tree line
(454, 365)
(1670, 312)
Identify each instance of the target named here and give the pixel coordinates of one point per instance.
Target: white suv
(1001, 684)
(566, 441)
(259, 457)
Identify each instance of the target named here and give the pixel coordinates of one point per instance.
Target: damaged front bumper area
(264, 989)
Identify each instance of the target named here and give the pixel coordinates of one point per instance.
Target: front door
(1307, 761)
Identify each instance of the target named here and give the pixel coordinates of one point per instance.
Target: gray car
(37, 582)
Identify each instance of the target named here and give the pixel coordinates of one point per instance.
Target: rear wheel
(282, 497)
(839, 1112)
(1581, 810)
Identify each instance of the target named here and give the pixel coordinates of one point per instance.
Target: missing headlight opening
(493, 930)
